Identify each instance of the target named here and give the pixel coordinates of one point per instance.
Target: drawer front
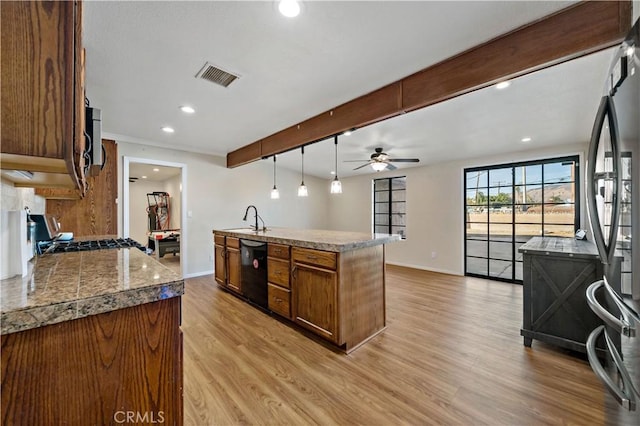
(233, 242)
(278, 271)
(326, 259)
(218, 239)
(278, 250)
(279, 300)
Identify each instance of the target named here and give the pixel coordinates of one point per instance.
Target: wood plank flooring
(451, 354)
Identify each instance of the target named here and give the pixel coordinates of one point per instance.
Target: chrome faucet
(256, 217)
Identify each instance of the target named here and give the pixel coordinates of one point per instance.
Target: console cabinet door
(233, 270)
(315, 300)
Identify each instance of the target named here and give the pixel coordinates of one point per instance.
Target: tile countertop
(336, 241)
(569, 247)
(65, 286)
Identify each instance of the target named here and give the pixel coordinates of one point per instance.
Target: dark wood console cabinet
(556, 274)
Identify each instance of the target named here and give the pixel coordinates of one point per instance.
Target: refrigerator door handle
(624, 325)
(626, 394)
(606, 249)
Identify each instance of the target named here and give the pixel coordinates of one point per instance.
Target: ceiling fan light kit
(378, 167)
(380, 161)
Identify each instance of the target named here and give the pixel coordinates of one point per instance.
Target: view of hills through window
(506, 205)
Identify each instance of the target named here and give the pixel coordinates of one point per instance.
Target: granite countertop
(65, 286)
(569, 247)
(336, 241)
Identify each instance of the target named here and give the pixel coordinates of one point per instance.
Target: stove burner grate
(108, 243)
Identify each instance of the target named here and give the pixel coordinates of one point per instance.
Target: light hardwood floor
(451, 354)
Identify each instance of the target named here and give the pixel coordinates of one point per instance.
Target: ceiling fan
(380, 161)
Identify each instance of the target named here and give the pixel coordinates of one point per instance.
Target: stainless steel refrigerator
(613, 204)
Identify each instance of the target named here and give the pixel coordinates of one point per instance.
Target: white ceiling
(142, 58)
(152, 172)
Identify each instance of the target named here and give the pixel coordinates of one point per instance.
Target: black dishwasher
(254, 271)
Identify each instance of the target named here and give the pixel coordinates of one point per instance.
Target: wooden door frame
(183, 201)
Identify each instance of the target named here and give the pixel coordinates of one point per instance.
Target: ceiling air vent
(216, 75)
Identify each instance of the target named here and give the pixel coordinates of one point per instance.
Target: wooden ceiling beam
(578, 30)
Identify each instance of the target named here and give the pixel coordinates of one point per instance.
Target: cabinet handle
(278, 251)
(293, 272)
(311, 257)
(279, 300)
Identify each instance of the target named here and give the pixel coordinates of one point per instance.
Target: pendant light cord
(274, 171)
(303, 164)
(336, 144)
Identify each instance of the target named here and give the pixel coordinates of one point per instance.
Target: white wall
(172, 187)
(217, 198)
(435, 205)
(12, 198)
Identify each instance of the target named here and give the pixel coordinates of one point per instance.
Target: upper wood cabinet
(42, 83)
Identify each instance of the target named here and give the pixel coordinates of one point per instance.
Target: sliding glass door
(508, 204)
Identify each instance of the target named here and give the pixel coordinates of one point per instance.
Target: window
(506, 205)
(390, 206)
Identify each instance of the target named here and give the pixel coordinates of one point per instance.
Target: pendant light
(302, 189)
(275, 194)
(336, 185)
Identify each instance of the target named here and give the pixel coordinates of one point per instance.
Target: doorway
(508, 204)
(154, 209)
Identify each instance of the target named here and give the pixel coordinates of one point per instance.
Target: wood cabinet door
(220, 265)
(233, 270)
(37, 77)
(315, 300)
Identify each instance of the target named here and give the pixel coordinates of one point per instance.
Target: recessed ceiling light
(503, 85)
(144, 177)
(347, 133)
(629, 51)
(187, 109)
(168, 129)
(289, 8)
(527, 139)
(333, 172)
(156, 169)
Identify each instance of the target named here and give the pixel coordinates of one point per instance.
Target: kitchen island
(330, 283)
(91, 337)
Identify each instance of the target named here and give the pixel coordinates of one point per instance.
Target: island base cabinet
(339, 296)
(100, 369)
(315, 302)
(234, 280)
(220, 267)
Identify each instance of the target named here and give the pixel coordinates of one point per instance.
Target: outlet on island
(434, 254)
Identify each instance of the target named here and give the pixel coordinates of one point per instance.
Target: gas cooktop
(108, 243)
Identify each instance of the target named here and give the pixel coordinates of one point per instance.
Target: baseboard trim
(198, 274)
(423, 268)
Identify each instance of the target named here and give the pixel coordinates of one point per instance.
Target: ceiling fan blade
(364, 165)
(391, 166)
(405, 160)
(353, 161)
